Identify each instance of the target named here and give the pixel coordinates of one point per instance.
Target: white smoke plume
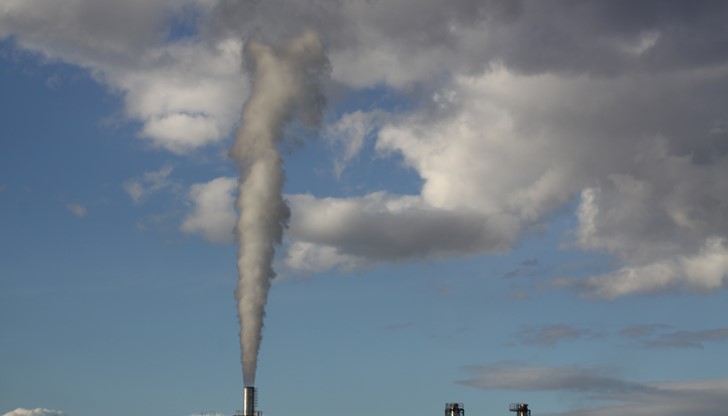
(284, 88)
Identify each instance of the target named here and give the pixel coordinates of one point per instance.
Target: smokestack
(521, 409)
(250, 397)
(454, 409)
(249, 401)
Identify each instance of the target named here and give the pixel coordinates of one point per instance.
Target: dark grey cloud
(384, 228)
(87, 30)
(608, 38)
(688, 339)
(654, 336)
(523, 377)
(512, 273)
(341, 21)
(664, 399)
(593, 37)
(530, 262)
(275, 20)
(548, 335)
(643, 330)
(526, 268)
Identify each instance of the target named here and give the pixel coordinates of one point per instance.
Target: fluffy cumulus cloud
(628, 130)
(212, 215)
(186, 92)
(516, 110)
(704, 271)
(34, 412)
(645, 170)
(618, 396)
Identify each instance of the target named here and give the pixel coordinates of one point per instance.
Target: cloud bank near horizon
(619, 396)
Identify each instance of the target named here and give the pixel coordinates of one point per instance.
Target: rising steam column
(250, 397)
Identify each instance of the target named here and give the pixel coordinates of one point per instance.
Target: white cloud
(187, 93)
(704, 271)
(213, 215)
(150, 183)
(77, 209)
(350, 132)
(311, 258)
(181, 132)
(34, 412)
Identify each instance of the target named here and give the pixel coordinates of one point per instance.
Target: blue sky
(504, 202)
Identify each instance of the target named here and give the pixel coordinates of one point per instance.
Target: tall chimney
(249, 401)
(454, 409)
(521, 409)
